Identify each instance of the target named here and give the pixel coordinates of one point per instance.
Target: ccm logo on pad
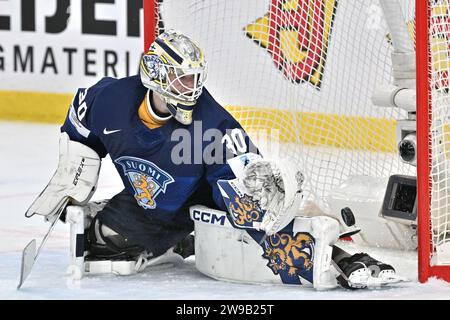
(208, 217)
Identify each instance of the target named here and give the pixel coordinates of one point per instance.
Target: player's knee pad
(105, 243)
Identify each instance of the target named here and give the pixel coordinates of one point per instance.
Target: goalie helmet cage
(309, 68)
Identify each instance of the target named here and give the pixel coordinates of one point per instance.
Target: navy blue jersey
(161, 167)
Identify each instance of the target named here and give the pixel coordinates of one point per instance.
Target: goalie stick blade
(28, 258)
(30, 254)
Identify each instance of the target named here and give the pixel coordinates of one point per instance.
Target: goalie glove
(278, 190)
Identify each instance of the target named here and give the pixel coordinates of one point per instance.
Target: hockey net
(300, 75)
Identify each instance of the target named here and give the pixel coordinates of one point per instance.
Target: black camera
(407, 149)
(400, 200)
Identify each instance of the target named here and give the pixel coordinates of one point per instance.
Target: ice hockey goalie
(245, 208)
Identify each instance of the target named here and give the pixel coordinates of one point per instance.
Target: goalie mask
(175, 68)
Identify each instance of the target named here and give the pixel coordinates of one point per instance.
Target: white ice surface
(29, 154)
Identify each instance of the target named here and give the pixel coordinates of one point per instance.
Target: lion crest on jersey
(289, 254)
(146, 178)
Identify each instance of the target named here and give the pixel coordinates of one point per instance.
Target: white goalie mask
(174, 67)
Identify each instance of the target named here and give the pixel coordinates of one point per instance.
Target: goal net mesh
(299, 76)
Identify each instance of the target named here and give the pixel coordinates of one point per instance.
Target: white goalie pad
(301, 255)
(75, 178)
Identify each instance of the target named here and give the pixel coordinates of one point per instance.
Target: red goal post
(427, 136)
(150, 21)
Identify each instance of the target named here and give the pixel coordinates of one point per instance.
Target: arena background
(50, 48)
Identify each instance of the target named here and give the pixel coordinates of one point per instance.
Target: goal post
(150, 8)
(342, 86)
(423, 158)
(432, 50)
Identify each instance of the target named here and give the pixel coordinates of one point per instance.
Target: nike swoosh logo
(109, 132)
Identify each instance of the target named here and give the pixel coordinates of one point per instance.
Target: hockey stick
(29, 253)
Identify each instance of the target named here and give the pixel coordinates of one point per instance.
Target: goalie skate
(361, 271)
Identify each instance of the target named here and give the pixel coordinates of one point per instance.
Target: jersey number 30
(81, 112)
(235, 141)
